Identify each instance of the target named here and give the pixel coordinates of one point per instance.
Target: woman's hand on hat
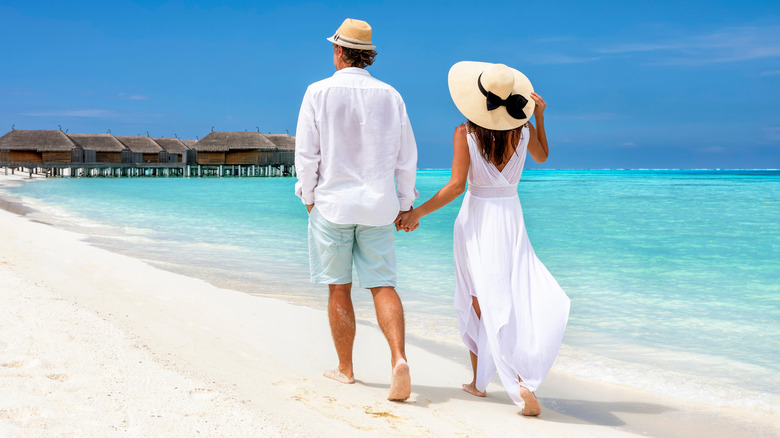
(540, 105)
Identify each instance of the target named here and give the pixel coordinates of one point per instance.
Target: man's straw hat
(355, 34)
(493, 96)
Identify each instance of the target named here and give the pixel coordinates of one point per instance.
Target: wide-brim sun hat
(355, 34)
(492, 96)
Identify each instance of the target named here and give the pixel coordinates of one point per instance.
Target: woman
(511, 311)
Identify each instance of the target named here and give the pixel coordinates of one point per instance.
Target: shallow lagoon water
(674, 276)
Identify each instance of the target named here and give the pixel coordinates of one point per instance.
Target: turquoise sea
(674, 276)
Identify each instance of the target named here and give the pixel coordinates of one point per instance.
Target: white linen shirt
(355, 153)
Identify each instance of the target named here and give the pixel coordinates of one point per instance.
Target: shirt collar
(353, 71)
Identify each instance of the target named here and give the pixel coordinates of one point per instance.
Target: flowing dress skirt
(523, 309)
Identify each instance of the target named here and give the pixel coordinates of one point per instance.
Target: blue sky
(685, 84)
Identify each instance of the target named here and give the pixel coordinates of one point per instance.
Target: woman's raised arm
(537, 144)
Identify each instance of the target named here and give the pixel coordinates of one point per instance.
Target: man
(356, 160)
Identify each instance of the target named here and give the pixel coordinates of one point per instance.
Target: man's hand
(407, 221)
(397, 220)
(309, 207)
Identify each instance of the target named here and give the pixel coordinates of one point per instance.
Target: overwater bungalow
(176, 149)
(28, 147)
(56, 153)
(144, 149)
(188, 143)
(234, 148)
(285, 149)
(100, 148)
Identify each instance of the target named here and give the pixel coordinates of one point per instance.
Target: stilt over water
(150, 170)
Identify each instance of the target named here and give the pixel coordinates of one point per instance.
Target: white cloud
(772, 134)
(733, 44)
(98, 114)
(132, 96)
(562, 59)
(712, 149)
(623, 145)
(90, 113)
(591, 116)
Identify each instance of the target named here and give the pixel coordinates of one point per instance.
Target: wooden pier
(128, 170)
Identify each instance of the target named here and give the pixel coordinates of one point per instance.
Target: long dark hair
(493, 144)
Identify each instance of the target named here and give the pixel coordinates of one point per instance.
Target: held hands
(540, 106)
(407, 221)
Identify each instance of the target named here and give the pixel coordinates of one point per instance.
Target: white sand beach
(94, 343)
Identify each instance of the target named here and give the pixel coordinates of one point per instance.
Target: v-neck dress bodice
(523, 309)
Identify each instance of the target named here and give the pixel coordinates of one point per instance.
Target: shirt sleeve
(406, 164)
(307, 151)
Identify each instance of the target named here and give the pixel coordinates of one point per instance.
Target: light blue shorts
(333, 247)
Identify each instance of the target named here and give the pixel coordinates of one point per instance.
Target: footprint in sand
(58, 377)
(378, 413)
(202, 394)
(12, 364)
(19, 414)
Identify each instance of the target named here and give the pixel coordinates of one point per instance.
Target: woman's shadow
(559, 410)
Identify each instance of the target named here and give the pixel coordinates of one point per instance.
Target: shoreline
(231, 338)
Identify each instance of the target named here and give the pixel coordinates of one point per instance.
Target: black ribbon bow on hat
(514, 103)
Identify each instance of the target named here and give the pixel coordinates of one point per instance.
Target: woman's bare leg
(471, 388)
(531, 407)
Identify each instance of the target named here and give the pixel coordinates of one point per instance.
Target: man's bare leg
(390, 316)
(342, 326)
(471, 388)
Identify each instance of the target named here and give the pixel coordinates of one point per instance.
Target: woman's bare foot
(339, 376)
(471, 389)
(531, 407)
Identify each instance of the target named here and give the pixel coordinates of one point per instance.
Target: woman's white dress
(524, 310)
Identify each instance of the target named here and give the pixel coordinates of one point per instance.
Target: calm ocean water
(674, 276)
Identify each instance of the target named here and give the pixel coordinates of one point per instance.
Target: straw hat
(493, 96)
(355, 34)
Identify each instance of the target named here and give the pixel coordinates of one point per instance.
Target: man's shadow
(559, 410)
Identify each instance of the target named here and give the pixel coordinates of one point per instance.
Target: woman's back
(483, 173)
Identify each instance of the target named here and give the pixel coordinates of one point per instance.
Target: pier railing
(118, 170)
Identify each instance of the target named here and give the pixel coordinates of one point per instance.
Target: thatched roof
(282, 141)
(36, 140)
(98, 142)
(241, 141)
(188, 143)
(172, 145)
(140, 144)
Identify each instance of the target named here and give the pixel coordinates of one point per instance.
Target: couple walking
(356, 159)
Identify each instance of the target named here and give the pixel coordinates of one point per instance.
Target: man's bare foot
(338, 376)
(471, 389)
(401, 382)
(531, 407)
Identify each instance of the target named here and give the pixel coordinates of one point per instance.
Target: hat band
(337, 37)
(514, 103)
